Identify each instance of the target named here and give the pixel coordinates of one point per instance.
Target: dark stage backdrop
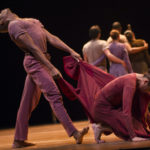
(70, 21)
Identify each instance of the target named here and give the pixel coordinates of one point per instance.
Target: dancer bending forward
(118, 104)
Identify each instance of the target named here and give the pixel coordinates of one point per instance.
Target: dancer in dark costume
(31, 37)
(140, 61)
(118, 103)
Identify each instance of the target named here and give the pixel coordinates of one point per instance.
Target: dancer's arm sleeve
(128, 94)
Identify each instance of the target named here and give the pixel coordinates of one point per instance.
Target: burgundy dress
(109, 100)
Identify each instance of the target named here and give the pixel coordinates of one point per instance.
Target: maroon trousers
(39, 80)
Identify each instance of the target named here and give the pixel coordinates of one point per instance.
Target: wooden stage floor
(54, 137)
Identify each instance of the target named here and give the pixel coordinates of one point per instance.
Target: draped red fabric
(90, 81)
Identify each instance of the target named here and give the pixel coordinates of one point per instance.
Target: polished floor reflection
(54, 137)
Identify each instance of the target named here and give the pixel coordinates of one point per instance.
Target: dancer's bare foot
(138, 139)
(97, 133)
(20, 144)
(98, 130)
(78, 135)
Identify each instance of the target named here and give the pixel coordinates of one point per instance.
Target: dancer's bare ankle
(78, 135)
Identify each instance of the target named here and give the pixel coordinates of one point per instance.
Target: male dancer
(31, 37)
(94, 48)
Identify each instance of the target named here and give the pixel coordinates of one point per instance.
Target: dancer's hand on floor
(138, 139)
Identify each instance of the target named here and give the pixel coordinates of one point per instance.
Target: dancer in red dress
(118, 103)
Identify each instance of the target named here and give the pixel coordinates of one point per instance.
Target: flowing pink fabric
(90, 81)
